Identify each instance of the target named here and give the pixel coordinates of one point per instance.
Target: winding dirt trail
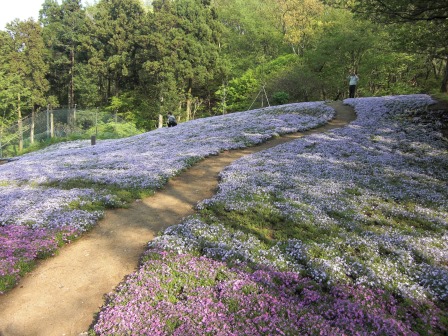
(62, 295)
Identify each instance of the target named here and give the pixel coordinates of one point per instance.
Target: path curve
(62, 295)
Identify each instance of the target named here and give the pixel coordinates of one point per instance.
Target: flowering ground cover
(342, 233)
(56, 194)
(182, 294)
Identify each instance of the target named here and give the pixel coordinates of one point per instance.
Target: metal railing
(47, 124)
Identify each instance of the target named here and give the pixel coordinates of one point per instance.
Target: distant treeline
(199, 58)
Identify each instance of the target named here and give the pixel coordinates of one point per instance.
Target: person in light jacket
(353, 81)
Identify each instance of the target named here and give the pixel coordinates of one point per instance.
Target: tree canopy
(204, 57)
(399, 10)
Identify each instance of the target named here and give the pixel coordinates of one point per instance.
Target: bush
(280, 98)
(114, 130)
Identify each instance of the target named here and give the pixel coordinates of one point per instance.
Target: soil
(62, 295)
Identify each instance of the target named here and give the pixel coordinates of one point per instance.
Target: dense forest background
(198, 58)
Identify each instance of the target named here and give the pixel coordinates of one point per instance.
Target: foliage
(322, 71)
(113, 130)
(134, 108)
(240, 92)
(422, 26)
(252, 33)
(300, 21)
(64, 28)
(280, 98)
(183, 52)
(23, 68)
(200, 58)
(402, 10)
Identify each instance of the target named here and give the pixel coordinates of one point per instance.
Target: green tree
(344, 43)
(64, 29)
(252, 33)
(428, 38)
(117, 41)
(23, 70)
(257, 86)
(9, 81)
(399, 10)
(23, 63)
(422, 23)
(300, 20)
(183, 55)
(341, 47)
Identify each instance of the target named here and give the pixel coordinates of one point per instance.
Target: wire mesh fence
(52, 124)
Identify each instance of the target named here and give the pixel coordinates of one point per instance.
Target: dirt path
(61, 296)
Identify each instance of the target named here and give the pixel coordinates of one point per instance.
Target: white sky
(22, 9)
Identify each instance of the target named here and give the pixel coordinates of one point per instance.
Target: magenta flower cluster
(22, 245)
(175, 294)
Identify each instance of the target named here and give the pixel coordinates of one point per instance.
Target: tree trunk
(224, 98)
(19, 123)
(51, 124)
(160, 121)
(444, 87)
(33, 116)
(71, 90)
(188, 108)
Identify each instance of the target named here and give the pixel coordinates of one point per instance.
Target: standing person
(353, 81)
(171, 120)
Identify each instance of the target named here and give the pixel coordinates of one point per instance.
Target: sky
(21, 9)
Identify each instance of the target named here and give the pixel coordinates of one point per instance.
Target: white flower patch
(381, 180)
(144, 161)
(219, 242)
(47, 207)
(147, 160)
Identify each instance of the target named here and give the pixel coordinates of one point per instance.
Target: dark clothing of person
(171, 121)
(353, 81)
(352, 89)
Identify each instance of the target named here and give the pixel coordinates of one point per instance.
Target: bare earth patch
(62, 295)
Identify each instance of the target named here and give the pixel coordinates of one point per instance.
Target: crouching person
(171, 120)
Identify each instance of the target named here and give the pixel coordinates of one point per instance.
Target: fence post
(74, 116)
(48, 121)
(51, 124)
(19, 123)
(160, 121)
(33, 117)
(96, 121)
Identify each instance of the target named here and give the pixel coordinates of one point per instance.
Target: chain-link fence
(61, 123)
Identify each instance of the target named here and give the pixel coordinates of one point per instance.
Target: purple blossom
(174, 294)
(145, 161)
(347, 182)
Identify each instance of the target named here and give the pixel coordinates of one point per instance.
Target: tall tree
(11, 83)
(399, 10)
(117, 43)
(252, 33)
(300, 20)
(64, 29)
(423, 22)
(24, 69)
(184, 50)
